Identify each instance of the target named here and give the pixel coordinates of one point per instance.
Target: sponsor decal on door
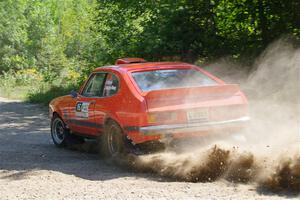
(82, 109)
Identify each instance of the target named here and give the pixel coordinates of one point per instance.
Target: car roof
(145, 65)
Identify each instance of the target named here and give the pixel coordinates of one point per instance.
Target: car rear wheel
(112, 142)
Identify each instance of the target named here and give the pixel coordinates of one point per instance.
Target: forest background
(48, 47)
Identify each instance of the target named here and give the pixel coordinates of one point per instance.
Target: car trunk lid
(207, 103)
(186, 97)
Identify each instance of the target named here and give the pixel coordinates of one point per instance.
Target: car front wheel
(61, 136)
(59, 133)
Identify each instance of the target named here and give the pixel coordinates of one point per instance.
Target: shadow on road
(26, 146)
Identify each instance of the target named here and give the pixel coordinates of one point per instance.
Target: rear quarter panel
(127, 106)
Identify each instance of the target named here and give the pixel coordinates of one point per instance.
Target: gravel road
(31, 167)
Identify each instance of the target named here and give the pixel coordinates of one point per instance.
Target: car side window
(94, 87)
(111, 85)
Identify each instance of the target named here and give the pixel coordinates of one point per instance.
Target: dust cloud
(270, 155)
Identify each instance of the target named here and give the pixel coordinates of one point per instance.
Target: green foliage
(49, 36)
(189, 30)
(54, 44)
(17, 84)
(44, 44)
(45, 93)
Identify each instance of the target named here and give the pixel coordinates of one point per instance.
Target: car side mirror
(74, 94)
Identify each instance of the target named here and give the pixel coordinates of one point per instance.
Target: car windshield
(168, 79)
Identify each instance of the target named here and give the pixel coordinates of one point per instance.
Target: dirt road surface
(32, 168)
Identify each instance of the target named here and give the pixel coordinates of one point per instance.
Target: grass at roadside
(46, 94)
(29, 85)
(39, 93)
(19, 93)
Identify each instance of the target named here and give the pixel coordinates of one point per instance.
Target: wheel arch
(55, 113)
(112, 119)
(109, 119)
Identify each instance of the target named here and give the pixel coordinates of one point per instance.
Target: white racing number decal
(82, 109)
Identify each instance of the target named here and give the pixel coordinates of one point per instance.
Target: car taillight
(161, 117)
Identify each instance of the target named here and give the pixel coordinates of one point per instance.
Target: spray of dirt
(285, 176)
(200, 166)
(270, 156)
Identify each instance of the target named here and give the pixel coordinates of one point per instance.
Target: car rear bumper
(193, 127)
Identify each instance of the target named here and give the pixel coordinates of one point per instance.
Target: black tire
(112, 142)
(61, 135)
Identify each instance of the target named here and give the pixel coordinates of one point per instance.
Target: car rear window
(168, 79)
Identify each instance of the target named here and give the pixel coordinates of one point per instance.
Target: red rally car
(137, 101)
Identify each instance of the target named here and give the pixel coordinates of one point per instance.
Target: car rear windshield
(168, 79)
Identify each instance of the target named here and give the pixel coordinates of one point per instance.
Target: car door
(82, 115)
